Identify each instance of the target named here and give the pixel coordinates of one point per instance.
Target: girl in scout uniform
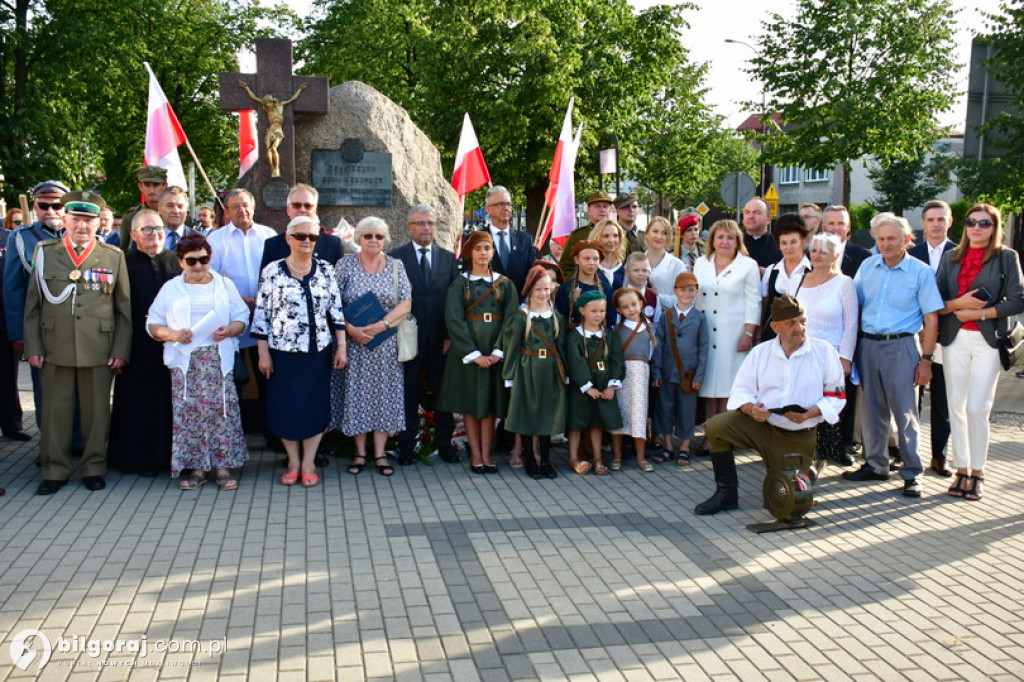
(637, 338)
(596, 370)
(476, 308)
(535, 371)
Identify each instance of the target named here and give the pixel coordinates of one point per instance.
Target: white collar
(429, 247)
(544, 313)
(588, 334)
(630, 324)
(682, 312)
(486, 278)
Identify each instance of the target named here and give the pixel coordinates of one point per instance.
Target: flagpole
(209, 185)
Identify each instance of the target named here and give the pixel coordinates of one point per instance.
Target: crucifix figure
(275, 121)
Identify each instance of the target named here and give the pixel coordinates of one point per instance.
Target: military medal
(76, 274)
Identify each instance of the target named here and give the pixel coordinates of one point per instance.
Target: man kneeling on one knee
(783, 390)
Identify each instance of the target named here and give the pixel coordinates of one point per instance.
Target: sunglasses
(200, 260)
(373, 236)
(984, 223)
(303, 236)
(149, 229)
(44, 206)
(298, 204)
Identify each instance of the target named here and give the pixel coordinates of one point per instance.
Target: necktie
(503, 247)
(693, 260)
(78, 250)
(424, 263)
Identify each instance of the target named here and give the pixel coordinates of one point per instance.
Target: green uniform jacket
(537, 403)
(566, 262)
(584, 411)
(86, 329)
(469, 388)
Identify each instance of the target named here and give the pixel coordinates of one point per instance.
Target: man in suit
(79, 295)
(302, 200)
(936, 217)
(431, 271)
(836, 220)
(173, 209)
(627, 208)
(514, 252)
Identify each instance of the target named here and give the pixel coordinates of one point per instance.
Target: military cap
(785, 307)
(625, 199)
(151, 174)
(595, 197)
(49, 187)
(592, 295)
(83, 203)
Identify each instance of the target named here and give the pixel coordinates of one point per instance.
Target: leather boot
(726, 484)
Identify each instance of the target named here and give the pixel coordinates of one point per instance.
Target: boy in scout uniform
(77, 334)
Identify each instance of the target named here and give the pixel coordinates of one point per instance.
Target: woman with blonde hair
(665, 267)
(616, 248)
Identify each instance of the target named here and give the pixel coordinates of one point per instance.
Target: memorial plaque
(275, 195)
(344, 183)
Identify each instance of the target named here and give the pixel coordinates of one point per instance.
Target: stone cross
(274, 77)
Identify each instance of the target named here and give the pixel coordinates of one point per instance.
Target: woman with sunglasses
(370, 398)
(298, 315)
(980, 282)
(198, 317)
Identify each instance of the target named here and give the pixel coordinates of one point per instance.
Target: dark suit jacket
(428, 299)
(920, 251)
(520, 257)
(853, 256)
(1001, 276)
(328, 248)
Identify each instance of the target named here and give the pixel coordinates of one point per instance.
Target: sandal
(976, 491)
(226, 482)
(310, 480)
(600, 470)
(683, 458)
(356, 468)
(193, 481)
(515, 460)
(384, 469)
(645, 466)
(662, 458)
(581, 468)
(957, 489)
(616, 465)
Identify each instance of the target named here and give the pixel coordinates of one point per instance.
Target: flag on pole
(470, 169)
(564, 139)
(562, 218)
(163, 134)
(248, 150)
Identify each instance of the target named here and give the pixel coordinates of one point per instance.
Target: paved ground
(441, 574)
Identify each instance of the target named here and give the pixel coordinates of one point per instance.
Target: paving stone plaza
(440, 574)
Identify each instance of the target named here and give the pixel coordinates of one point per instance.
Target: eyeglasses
(150, 229)
(368, 235)
(303, 236)
(298, 204)
(809, 216)
(201, 260)
(500, 204)
(984, 223)
(44, 206)
(423, 223)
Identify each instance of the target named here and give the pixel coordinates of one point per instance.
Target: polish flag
(564, 139)
(163, 134)
(470, 169)
(248, 150)
(562, 218)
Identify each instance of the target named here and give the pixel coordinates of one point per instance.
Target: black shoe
(490, 468)
(912, 488)
(852, 449)
(48, 487)
(478, 468)
(321, 460)
(405, 458)
(448, 455)
(844, 459)
(895, 464)
(700, 452)
(94, 483)
(1020, 374)
(865, 473)
(724, 498)
(17, 435)
(548, 471)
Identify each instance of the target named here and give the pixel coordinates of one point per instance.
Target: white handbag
(407, 332)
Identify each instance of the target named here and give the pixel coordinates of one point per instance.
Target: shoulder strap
(491, 290)
(598, 351)
(672, 341)
(630, 339)
(551, 349)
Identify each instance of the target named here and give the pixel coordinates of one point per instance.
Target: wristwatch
(929, 357)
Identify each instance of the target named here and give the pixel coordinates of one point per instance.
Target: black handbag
(241, 371)
(1010, 341)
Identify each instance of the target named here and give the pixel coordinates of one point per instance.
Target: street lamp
(764, 167)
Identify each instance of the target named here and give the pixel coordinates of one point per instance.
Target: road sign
(703, 208)
(737, 189)
(771, 198)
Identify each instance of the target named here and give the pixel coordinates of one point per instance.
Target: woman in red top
(980, 282)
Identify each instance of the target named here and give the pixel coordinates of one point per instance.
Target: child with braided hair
(586, 256)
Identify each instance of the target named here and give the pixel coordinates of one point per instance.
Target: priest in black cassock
(140, 422)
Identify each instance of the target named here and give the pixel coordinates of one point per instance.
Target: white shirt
(237, 255)
(811, 376)
(935, 254)
(663, 278)
(785, 284)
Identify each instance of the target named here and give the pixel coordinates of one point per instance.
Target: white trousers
(972, 373)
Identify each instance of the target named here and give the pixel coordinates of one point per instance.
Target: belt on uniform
(486, 317)
(885, 337)
(542, 353)
(810, 428)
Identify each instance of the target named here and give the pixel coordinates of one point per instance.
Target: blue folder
(363, 312)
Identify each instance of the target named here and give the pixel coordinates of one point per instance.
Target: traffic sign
(703, 208)
(737, 189)
(771, 198)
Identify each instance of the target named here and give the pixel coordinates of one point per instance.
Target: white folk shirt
(811, 376)
(237, 255)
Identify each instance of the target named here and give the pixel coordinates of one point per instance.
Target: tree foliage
(906, 184)
(851, 78)
(514, 66)
(76, 107)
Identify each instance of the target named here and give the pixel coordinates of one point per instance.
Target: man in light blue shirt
(899, 299)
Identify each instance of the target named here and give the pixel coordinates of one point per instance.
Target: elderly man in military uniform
(77, 334)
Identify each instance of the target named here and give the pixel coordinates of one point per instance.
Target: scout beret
(785, 307)
(688, 220)
(474, 239)
(84, 203)
(585, 244)
(592, 295)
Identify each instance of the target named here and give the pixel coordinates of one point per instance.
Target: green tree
(77, 109)
(906, 184)
(852, 78)
(514, 66)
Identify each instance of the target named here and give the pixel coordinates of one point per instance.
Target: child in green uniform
(477, 305)
(535, 371)
(596, 370)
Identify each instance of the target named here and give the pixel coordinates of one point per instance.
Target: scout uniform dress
(475, 312)
(535, 367)
(594, 360)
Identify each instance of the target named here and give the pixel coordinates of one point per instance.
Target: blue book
(365, 311)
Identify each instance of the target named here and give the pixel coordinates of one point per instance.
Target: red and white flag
(564, 139)
(163, 134)
(563, 208)
(248, 150)
(470, 169)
